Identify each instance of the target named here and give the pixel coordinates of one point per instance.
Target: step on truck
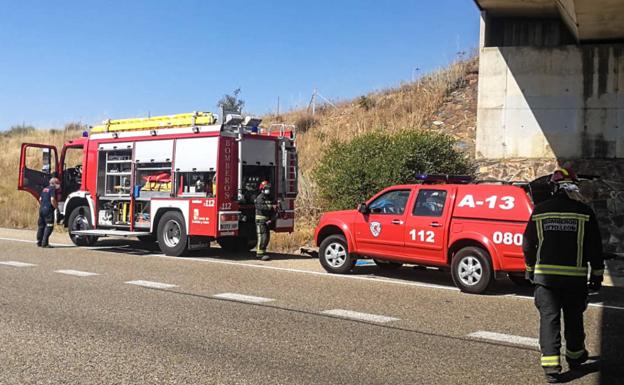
(182, 180)
(475, 229)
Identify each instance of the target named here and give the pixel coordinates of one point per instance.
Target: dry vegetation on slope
(442, 100)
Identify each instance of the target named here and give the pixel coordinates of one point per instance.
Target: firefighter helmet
(264, 184)
(563, 175)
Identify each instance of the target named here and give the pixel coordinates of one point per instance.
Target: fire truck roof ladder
(156, 122)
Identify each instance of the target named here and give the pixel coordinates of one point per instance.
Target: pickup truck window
(429, 203)
(392, 202)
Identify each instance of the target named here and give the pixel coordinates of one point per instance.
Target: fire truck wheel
(387, 265)
(80, 219)
(472, 270)
(172, 236)
(334, 255)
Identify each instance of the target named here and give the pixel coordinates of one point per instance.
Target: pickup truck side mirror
(363, 208)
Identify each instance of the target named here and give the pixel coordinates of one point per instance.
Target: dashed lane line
(242, 298)
(151, 284)
(309, 272)
(17, 264)
(76, 273)
(354, 315)
(507, 338)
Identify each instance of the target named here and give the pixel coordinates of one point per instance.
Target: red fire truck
(474, 228)
(183, 180)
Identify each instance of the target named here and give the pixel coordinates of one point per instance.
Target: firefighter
(560, 240)
(47, 207)
(265, 209)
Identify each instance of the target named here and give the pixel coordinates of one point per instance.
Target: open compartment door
(38, 163)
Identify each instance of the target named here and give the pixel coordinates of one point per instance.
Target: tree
(232, 103)
(350, 173)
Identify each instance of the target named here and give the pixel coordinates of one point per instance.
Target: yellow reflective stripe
(540, 238)
(579, 243)
(561, 267)
(528, 268)
(583, 217)
(550, 361)
(571, 271)
(564, 273)
(597, 272)
(574, 355)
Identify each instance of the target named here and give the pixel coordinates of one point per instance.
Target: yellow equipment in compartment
(156, 122)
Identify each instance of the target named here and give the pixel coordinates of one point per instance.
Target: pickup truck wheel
(472, 270)
(334, 255)
(80, 219)
(387, 265)
(172, 236)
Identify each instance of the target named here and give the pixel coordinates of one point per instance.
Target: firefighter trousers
(550, 301)
(45, 226)
(264, 236)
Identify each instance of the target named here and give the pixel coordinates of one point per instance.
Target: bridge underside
(587, 20)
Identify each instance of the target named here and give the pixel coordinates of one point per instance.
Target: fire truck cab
(183, 180)
(475, 229)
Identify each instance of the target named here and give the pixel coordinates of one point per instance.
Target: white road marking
(242, 298)
(76, 273)
(16, 264)
(151, 284)
(359, 316)
(324, 274)
(509, 338)
(28, 241)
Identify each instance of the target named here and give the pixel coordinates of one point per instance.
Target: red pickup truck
(475, 229)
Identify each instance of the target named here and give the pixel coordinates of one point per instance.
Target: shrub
(350, 173)
(366, 102)
(305, 122)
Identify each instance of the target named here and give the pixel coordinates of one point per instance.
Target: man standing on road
(47, 206)
(265, 209)
(560, 240)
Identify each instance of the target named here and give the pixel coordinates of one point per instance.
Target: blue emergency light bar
(443, 178)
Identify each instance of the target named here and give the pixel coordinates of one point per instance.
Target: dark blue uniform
(46, 216)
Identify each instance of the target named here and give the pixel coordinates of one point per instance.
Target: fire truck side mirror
(363, 208)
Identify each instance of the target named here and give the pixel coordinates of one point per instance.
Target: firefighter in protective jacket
(47, 207)
(265, 210)
(560, 240)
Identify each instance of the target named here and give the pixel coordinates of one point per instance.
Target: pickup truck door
(426, 224)
(38, 163)
(380, 232)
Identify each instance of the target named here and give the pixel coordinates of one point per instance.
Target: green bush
(350, 173)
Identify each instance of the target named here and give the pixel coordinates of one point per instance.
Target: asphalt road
(229, 319)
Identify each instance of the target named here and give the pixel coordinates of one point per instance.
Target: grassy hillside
(17, 208)
(442, 100)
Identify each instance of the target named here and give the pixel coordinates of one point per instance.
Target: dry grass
(410, 105)
(18, 209)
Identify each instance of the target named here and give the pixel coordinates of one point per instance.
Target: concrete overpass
(551, 79)
(587, 20)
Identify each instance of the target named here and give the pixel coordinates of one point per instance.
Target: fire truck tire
(172, 235)
(334, 255)
(80, 219)
(472, 270)
(387, 265)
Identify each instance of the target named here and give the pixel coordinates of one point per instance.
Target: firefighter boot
(576, 359)
(552, 368)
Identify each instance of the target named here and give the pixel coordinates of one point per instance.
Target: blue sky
(64, 61)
